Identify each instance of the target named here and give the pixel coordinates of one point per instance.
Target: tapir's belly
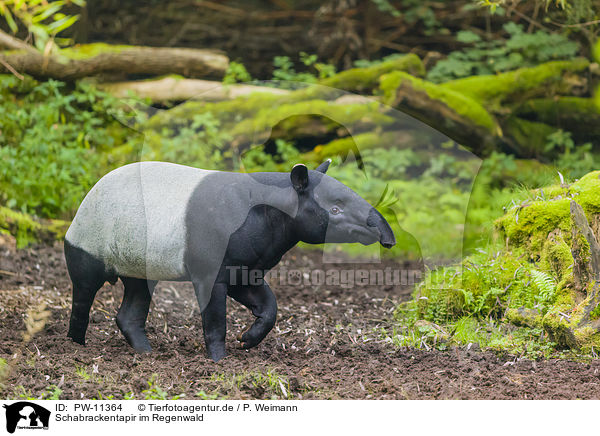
(133, 219)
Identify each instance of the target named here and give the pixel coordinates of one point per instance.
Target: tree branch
(94, 59)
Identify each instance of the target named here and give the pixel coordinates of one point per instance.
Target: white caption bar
(154, 417)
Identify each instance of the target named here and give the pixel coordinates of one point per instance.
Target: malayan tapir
(151, 221)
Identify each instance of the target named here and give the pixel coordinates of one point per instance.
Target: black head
(329, 211)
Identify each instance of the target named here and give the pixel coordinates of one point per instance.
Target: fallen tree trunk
(544, 80)
(568, 113)
(359, 80)
(176, 89)
(471, 111)
(454, 114)
(473, 117)
(95, 59)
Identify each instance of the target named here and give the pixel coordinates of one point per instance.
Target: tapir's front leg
(214, 322)
(261, 301)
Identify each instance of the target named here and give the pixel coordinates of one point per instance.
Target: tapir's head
(329, 211)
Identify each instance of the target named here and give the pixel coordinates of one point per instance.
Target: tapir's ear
(324, 166)
(299, 176)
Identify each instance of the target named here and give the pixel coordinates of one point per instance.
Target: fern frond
(544, 282)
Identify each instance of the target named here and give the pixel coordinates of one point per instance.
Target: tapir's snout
(386, 235)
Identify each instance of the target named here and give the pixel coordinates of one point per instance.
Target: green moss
(551, 107)
(588, 339)
(531, 136)
(530, 223)
(523, 317)
(27, 230)
(556, 257)
(595, 313)
(484, 285)
(568, 112)
(260, 110)
(458, 102)
(347, 115)
(229, 111)
(496, 88)
(87, 51)
(355, 143)
(565, 295)
(366, 79)
(557, 326)
(531, 281)
(596, 50)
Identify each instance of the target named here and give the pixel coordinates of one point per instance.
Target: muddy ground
(326, 345)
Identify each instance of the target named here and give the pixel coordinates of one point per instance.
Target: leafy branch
(43, 20)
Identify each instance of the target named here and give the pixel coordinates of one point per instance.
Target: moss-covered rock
(546, 274)
(529, 224)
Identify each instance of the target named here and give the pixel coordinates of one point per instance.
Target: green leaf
(467, 37)
(10, 20)
(60, 25)
(52, 9)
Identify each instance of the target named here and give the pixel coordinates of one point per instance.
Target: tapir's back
(133, 219)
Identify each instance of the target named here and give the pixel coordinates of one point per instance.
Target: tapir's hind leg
(88, 274)
(133, 312)
(261, 301)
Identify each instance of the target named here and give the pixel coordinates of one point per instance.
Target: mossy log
(550, 78)
(458, 116)
(566, 112)
(596, 50)
(260, 117)
(170, 88)
(525, 138)
(356, 144)
(173, 88)
(477, 111)
(103, 59)
(467, 111)
(365, 80)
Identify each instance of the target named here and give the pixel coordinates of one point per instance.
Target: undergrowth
(519, 49)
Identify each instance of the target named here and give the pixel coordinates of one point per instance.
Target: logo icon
(26, 415)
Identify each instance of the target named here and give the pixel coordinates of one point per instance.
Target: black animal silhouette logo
(26, 415)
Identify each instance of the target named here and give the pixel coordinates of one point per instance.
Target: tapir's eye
(336, 210)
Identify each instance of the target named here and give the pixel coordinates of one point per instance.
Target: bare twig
(528, 19)
(587, 23)
(12, 70)
(12, 43)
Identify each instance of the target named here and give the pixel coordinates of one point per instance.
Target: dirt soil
(326, 345)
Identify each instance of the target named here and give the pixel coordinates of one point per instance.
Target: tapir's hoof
(143, 350)
(217, 355)
(77, 339)
(245, 342)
